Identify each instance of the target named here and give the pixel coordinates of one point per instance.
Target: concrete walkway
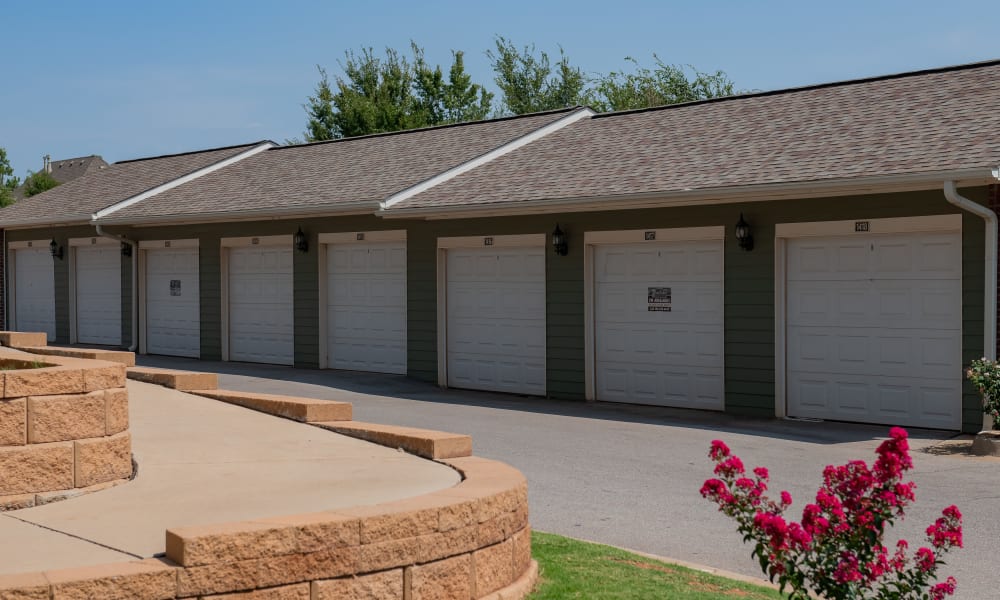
(203, 461)
(629, 475)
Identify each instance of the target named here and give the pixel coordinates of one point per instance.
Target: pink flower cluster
(837, 547)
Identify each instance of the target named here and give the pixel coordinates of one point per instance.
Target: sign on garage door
(658, 323)
(99, 293)
(496, 319)
(261, 304)
(173, 320)
(366, 306)
(34, 290)
(874, 328)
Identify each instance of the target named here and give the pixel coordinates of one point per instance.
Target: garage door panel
(173, 321)
(667, 358)
(261, 317)
(874, 329)
(496, 319)
(98, 295)
(366, 312)
(34, 291)
(864, 352)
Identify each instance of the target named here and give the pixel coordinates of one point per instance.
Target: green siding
(749, 284)
(748, 297)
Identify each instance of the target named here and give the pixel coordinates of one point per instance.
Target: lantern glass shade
(301, 243)
(55, 249)
(126, 249)
(559, 241)
(743, 235)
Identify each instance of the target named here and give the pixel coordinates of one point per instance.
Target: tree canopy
(36, 183)
(530, 82)
(7, 180)
(378, 93)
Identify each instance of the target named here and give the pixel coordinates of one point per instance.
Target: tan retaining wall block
(103, 459)
(286, 592)
(13, 422)
(66, 417)
(494, 568)
(36, 468)
(43, 382)
(306, 410)
(149, 579)
(387, 585)
(184, 381)
(20, 339)
(443, 580)
(522, 550)
(24, 586)
(117, 410)
(106, 376)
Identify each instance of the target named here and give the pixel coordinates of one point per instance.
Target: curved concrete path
(202, 461)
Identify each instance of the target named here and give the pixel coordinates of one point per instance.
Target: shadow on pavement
(331, 385)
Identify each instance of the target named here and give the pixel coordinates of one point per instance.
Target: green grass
(573, 569)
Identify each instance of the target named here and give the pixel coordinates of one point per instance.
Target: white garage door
(366, 311)
(34, 291)
(658, 332)
(874, 329)
(260, 305)
(99, 295)
(496, 319)
(173, 322)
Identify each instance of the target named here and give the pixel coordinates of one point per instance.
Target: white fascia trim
(527, 240)
(799, 190)
(366, 207)
(363, 237)
(157, 244)
(181, 180)
(490, 156)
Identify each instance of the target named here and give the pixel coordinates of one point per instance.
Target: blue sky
(132, 79)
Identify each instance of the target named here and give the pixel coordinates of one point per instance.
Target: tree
(456, 101)
(321, 124)
(530, 83)
(378, 94)
(661, 85)
(36, 183)
(7, 180)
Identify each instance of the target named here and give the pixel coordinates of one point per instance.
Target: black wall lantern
(301, 242)
(559, 241)
(743, 235)
(55, 249)
(126, 249)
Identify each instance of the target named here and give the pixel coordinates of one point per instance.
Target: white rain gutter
(135, 281)
(990, 279)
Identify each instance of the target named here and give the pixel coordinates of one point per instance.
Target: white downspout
(990, 279)
(135, 282)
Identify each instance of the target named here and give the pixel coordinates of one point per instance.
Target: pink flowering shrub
(985, 376)
(836, 550)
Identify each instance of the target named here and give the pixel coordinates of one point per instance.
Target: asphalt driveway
(629, 475)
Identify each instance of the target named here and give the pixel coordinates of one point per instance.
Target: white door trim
(261, 240)
(363, 237)
(785, 231)
(495, 241)
(12, 274)
(93, 241)
(186, 243)
(628, 236)
(153, 245)
(346, 237)
(443, 245)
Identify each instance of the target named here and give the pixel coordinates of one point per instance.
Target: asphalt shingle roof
(332, 175)
(912, 123)
(78, 199)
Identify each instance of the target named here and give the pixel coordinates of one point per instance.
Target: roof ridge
(233, 147)
(806, 88)
(433, 127)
